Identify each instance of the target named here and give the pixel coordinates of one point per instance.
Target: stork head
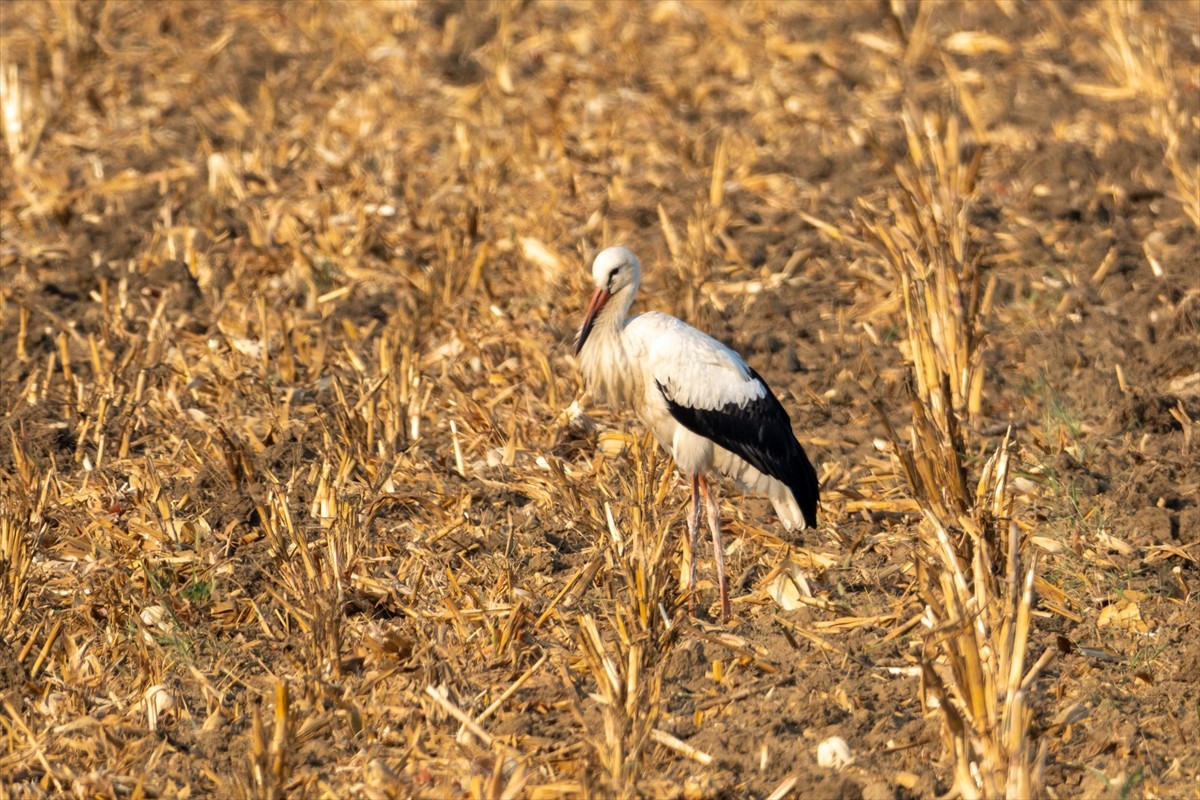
(615, 268)
(616, 271)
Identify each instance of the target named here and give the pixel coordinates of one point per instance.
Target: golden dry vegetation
(300, 493)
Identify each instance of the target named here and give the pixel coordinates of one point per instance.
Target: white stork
(706, 406)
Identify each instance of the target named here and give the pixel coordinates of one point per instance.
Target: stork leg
(693, 535)
(714, 525)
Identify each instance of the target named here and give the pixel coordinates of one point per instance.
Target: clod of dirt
(1151, 525)
(1189, 525)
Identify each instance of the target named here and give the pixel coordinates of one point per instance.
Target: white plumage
(705, 405)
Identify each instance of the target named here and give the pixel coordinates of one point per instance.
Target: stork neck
(617, 311)
(605, 362)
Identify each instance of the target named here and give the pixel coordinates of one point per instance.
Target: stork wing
(758, 429)
(712, 392)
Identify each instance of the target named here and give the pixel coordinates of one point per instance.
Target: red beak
(599, 299)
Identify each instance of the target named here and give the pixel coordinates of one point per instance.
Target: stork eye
(612, 277)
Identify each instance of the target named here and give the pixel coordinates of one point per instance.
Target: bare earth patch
(300, 494)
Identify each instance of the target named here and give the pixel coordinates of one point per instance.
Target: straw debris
(301, 495)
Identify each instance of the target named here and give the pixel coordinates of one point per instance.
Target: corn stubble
(978, 617)
(627, 664)
(291, 501)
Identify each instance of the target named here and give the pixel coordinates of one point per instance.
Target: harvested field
(301, 494)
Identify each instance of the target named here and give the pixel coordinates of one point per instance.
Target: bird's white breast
(608, 366)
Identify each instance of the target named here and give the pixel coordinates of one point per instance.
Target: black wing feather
(760, 432)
